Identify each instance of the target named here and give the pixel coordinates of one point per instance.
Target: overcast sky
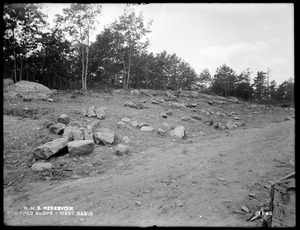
(255, 36)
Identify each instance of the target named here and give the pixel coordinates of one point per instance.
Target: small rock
(50, 148)
(191, 105)
(88, 134)
(147, 128)
(126, 140)
(138, 203)
(245, 209)
(75, 124)
(126, 119)
(287, 119)
(100, 113)
(166, 127)
(41, 166)
(178, 132)
(57, 128)
(141, 124)
(83, 112)
(50, 99)
(104, 136)
(47, 124)
(91, 111)
(121, 150)
(197, 117)
(163, 115)
(78, 134)
(238, 123)
(218, 113)
(95, 126)
(80, 147)
(230, 125)
(154, 102)
(179, 203)
(121, 124)
(129, 104)
(185, 118)
(64, 118)
(169, 112)
(161, 132)
(236, 118)
(177, 105)
(134, 124)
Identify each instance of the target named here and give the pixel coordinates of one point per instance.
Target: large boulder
(178, 132)
(50, 148)
(80, 147)
(29, 90)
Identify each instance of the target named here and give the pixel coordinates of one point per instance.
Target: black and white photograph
(149, 115)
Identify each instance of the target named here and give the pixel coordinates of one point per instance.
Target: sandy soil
(199, 181)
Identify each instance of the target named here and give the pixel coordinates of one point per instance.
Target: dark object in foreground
(283, 203)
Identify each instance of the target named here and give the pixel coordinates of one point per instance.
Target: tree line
(63, 57)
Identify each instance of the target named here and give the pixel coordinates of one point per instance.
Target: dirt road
(179, 184)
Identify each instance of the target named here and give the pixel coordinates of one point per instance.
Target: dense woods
(63, 57)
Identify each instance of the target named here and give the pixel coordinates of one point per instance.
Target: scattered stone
(129, 104)
(161, 132)
(197, 117)
(88, 134)
(83, 112)
(95, 126)
(64, 118)
(50, 99)
(245, 209)
(177, 105)
(287, 119)
(134, 124)
(141, 124)
(147, 128)
(191, 105)
(178, 132)
(154, 102)
(163, 115)
(68, 133)
(210, 102)
(185, 118)
(100, 113)
(238, 123)
(138, 203)
(121, 150)
(104, 136)
(179, 203)
(121, 124)
(233, 113)
(218, 113)
(47, 124)
(57, 128)
(166, 127)
(126, 140)
(41, 166)
(75, 124)
(50, 148)
(126, 119)
(80, 147)
(143, 101)
(78, 134)
(169, 112)
(236, 118)
(230, 125)
(91, 111)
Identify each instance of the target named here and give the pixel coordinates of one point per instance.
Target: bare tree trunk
(124, 75)
(15, 62)
(86, 68)
(128, 73)
(82, 63)
(21, 68)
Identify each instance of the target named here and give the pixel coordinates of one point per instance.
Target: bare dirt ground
(202, 180)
